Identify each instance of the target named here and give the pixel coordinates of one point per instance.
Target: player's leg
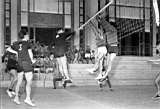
(109, 83)
(29, 78)
(102, 53)
(56, 72)
(100, 75)
(96, 64)
(65, 70)
(110, 59)
(60, 67)
(19, 82)
(157, 82)
(65, 67)
(61, 70)
(10, 89)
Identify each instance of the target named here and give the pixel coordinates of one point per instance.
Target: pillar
(15, 19)
(76, 23)
(1, 31)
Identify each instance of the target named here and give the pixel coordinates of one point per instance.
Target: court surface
(87, 97)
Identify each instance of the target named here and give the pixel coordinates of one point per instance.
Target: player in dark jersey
(11, 67)
(60, 54)
(25, 60)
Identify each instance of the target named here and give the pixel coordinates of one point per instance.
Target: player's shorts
(112, 49)
(26, 66)
(87, 55)
(102, 50)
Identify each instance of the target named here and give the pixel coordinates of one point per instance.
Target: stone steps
(125, 71)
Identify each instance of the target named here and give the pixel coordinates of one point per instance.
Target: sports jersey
(22, 48)
(60, 44)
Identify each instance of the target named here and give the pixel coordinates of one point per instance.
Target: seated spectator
(93, 56)
(81, 57)
(88, 54)
(76, 56)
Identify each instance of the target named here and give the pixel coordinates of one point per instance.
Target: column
(1, 31)
(15, 19)
(76, 23)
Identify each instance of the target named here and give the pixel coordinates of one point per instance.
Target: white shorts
(102, 50)
(87, 55)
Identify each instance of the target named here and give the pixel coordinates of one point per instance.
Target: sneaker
(99, 77)
(17, 101)
(29, 102)
(68, 80)
(13, 93)
(9, 93)
(99, 82)
(103, 79)
(91, 71)
(157, 96)
(64, 84)
(63, 81)
(100, 85)
(111, 89)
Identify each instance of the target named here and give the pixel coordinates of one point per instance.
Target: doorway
(45, 35)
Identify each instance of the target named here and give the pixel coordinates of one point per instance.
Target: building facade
(133, 19)
(135, 23)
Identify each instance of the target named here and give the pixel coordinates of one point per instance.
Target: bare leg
(100, 68)
(29, 77)
(60, 66)
(98, 62)
(64, 67)
(13, 78)
(110, 59)
(19, 82)
(13, 74)
(157, 80)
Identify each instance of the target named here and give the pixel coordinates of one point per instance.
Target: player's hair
(22, 33)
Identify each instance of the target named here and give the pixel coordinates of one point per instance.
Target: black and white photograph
(79, 54)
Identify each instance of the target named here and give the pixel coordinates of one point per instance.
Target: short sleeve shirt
(22, 48)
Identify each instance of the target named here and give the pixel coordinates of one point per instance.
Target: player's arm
(31, 55)
(69, 34)
(155, 5)
(11, 50)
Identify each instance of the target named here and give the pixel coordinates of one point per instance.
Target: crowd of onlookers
(74, 56)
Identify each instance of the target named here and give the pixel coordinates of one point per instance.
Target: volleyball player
(25, 60)
(157, 80)
(157, 17)
(11, 67)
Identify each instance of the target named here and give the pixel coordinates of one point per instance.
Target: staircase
(126, 70)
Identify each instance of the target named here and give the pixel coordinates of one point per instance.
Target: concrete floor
(87, 97)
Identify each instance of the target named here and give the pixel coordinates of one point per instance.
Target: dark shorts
(11, 65)
(112, 49)
(25, 66)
